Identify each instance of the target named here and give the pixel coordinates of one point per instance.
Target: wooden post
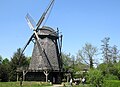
(21, 81)
(67, 78)
(24, 73)
(46, 74)
(17, 77)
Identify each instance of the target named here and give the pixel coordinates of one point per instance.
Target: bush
(95, 78)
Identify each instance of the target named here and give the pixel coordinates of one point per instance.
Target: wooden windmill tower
(46, 62)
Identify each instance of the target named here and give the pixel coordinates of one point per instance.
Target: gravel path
(57, 85)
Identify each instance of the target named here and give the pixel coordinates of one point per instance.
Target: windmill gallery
(46, 61)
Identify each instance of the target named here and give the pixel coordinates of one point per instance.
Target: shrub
(95, 78)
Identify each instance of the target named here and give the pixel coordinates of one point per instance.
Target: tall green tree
(87, 54)
(106, 50)
(110, 55)
(115, 54)
(18, 60)
(67, 61)
(4, 69)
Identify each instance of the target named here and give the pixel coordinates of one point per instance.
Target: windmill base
(54, 77)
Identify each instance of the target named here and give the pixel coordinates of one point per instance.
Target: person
(71, 81)
(75, 83)
(83, 80)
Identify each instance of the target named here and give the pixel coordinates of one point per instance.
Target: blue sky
(80, 21)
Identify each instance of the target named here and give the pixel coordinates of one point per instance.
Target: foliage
(1, 59)
(67, 62)
(106, 50)
(87, 54)
(110, 77)
(116, 70)
(8, 68)
(95, 78)
(103, 67)
(18, 60)
(110, 71)
(3, 73)
(78, 70)
(114, 53)
(72, 65)
(110, 54)
(112, 83)
(4, 70)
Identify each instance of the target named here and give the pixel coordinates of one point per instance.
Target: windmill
(46, 62)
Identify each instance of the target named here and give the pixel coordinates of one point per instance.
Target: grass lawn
(80, 85)
(112, 83)
(33, 84)
(108, 83)
(25, 84)
(86, 85)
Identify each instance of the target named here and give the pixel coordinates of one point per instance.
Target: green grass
(80, 85)
(108, 83)
(86, 85)
(34, 84)
(112, 83)
(25, 84)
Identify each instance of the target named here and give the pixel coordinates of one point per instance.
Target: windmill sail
(27, 44)
(35, 28)
(44, 14)
(30, 22)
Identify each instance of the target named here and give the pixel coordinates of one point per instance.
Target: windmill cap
(45, 30)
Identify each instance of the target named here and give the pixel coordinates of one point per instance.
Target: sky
(80, 21)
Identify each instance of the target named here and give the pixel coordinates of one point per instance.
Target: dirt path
(57, 85)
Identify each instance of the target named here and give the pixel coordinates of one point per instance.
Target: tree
(116, 70)
(1, 59)
(67, 61)
(87, 54)
(0, 68)
(4, 70)
(5, 61)
(18, 60)
(110, 71)
(114, 53)
(106, 51)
